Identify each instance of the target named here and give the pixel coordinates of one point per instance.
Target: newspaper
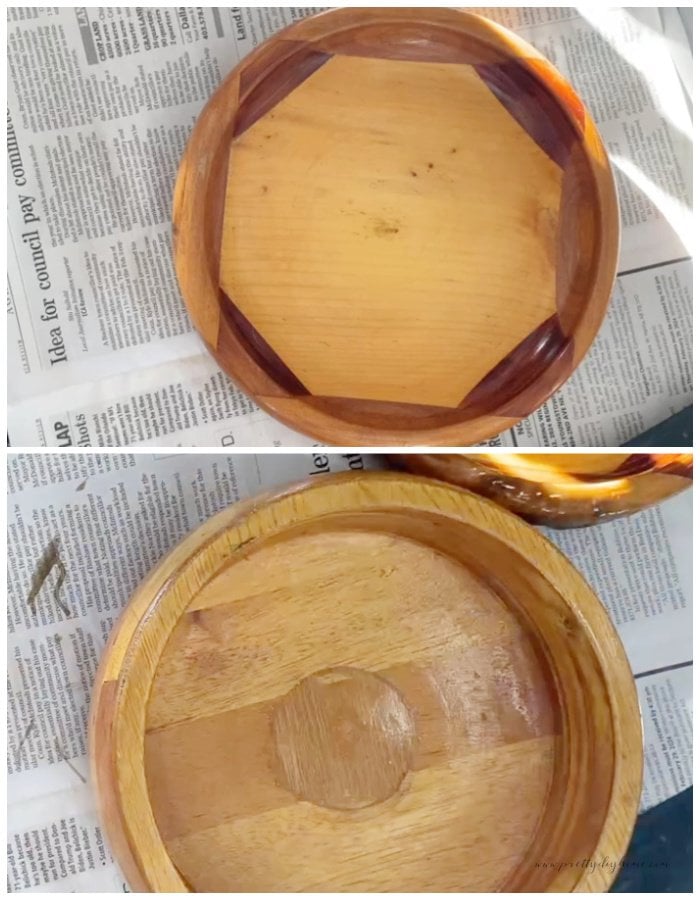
(79, 506)
(100, 105)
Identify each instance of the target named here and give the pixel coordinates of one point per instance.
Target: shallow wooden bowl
(374, 682)
(396, 226)
(562, 490)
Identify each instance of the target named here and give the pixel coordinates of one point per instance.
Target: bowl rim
(202, 172)
(119, 701)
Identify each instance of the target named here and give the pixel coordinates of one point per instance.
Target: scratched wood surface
(569, 490)
(370, 682)
(396, 226)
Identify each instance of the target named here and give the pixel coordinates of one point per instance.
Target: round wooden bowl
(371, 682)
(562, 490)
(396, 227)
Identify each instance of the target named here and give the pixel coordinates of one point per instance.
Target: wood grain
(346, 237)
(568, 490)
(370, 682)
(331, 239)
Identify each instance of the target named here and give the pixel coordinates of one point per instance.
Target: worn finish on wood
(396, 227)
(372, 682)
(563, 490)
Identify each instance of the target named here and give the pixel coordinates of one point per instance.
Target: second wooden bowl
(562, 490)
(374, 682)
(396, 227)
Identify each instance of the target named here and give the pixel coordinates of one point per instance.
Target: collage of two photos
(349, 449)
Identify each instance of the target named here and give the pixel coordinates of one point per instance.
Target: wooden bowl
(371, 682)
(396, 227)
(562, 490)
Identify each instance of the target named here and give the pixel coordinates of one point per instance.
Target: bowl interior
(403, 187)
(379, 701)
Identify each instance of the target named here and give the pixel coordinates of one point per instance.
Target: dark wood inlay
(532, 105)
(259, 349)
(514, 386)
(637, 463)
(270, 77)
(679, 467)
(578, 237)
(380, 414)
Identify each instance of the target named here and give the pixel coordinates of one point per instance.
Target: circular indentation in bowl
(344, 738)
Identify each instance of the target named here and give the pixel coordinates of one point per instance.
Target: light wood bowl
(396, 227)
(371, 682)
(562, 490)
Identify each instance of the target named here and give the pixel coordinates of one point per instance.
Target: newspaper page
(641, 569)
(100, 105)
(109, 518)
